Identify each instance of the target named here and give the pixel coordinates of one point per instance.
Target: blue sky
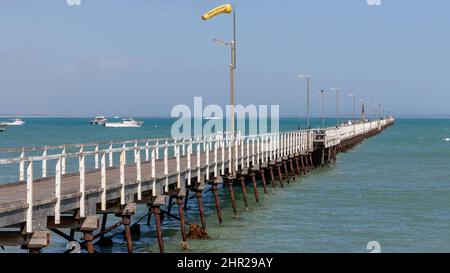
(142, 57)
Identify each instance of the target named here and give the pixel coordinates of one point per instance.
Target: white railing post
(96, 157)
(153, 171)
(157, 150)
(188, 161)
(216, 142)
(257, 149)
(230, 167)
(44, 163)
(166, 166)
(241, 142)
(139, 173)
(248, 152)
(123, 160)
(58, 192)
(135, 151)
(198, 159)
(29, 223)
(103, 181)
(82, 170)
(147, 152)
(111, 156)
(63, 161)
(265, 148)
(207, 159)
(253, 150)
(183, 147)
(222, 147)
(236, 154)
(177, 151)
(22, 166)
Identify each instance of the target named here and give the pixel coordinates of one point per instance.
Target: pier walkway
(67, 186)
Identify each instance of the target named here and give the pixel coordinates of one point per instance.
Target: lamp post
(363, 111)
(307, 77)
(337, 103)
(353, 97)
(227, 8)
(322, 94)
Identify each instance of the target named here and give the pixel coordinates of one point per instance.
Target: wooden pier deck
(33, 205)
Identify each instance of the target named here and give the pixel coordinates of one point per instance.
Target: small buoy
(447, 139)
(156, 126)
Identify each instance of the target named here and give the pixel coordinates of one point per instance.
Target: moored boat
(98, 120)
(126, 122)
(15, 122)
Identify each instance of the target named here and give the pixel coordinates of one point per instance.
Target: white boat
(15, 122)
(3, 127)
(98, 120)
(126, 122)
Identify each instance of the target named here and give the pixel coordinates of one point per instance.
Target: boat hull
(121, 125)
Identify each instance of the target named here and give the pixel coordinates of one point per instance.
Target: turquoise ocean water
(393, 188)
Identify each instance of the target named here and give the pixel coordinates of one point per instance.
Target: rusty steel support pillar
(272, 177)
(297, 166)
(233, 200)
(302, 160)
(156, 212)
(255, 187)
(157, 203)
(215, 192)
(311, 160)
(263, 179)
(126, 224)
(291, 165)
(286, 170)
(186, 200)
(88, 225)
(180, 203)
(280, 175)
(199, 195)
(244, 191)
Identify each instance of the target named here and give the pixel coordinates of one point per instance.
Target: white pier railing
(182, 157)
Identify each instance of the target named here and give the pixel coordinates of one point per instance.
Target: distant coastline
(346, 116)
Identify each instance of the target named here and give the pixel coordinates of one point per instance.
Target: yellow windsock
(216, 11)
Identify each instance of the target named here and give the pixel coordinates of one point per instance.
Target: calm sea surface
(393, 188)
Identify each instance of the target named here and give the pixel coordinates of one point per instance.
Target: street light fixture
(307, 77)
(322, 94)
(363, 110)
(227, 8)
(337, 103)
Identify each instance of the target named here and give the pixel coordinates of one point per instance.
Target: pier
(68, 187)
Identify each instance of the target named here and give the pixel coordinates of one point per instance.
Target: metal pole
(307, 100)
(353, 118)
(323, 107)
(232, 68)
(337, 107)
